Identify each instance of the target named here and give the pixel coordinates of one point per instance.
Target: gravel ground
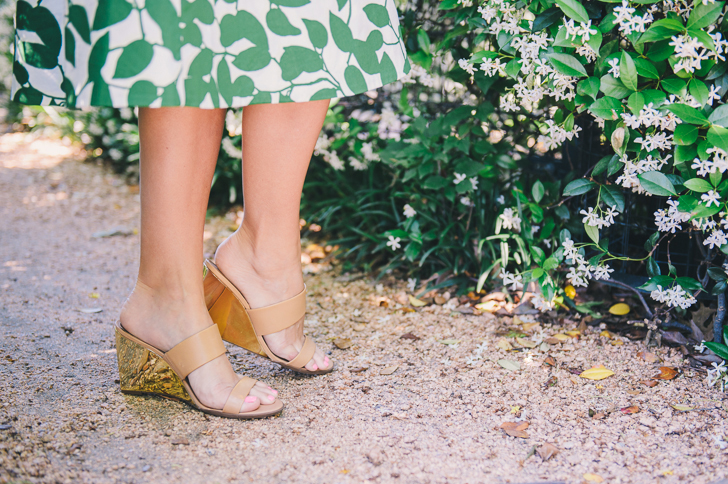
(424, 408)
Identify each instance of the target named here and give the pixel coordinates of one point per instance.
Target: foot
(264, 279)
(175, 318)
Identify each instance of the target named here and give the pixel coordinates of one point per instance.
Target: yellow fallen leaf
(619, 309)
(343, 343)
(616, 342)
(561, 337)
(596, 373)
(570, 291)
(606, 334)
(682, 408)
(517, 320)
(593, 477)
(575, 333)
(488, 306)
(525, 343)
(504, 344)
(515, 409)
(94, 295)
(416, 302)
(667, 473)
(530, 326)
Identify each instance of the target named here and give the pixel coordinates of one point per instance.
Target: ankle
(266, 257)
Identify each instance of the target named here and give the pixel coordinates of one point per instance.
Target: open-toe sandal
(146, 370)
(245, 327)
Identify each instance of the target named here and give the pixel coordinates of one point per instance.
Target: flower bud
(618, 139)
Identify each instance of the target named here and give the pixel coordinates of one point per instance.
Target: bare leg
(179, 149)
(263, 258)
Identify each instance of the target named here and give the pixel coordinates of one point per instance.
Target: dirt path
(436, 418)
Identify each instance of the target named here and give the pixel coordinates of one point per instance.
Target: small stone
(146, 468)
(180, 441)
(5, 427)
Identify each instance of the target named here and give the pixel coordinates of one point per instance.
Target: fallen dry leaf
(416, 302)
(598, 416)
(94, 295)
(389, 370)
(504, 344)
(634, 392)
(343, 343)
(517, 433)
(649, 383)
(547, 451)
(407, 310)
(526, 343)
(510, 365)
(560, 337)
(552, 341)
(359, 369)
(619, 309)
(596, 373)
(682, 408)
(90, 310)
(574, 380)
(570, 291)
(606, 334)
(629, 410)
(616, 342)
(180, 441)
(550, 361)
(514, 425)
(489, 306)
(530, 326)
(648, 357)
(410, 336)
(551, 382)
(593, 477)
(574, 333)
(666, 373)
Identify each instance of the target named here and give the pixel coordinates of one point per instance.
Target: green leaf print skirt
(203, 53)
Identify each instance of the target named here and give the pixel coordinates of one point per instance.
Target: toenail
(250, 399)
(274, 391)
(315, 367)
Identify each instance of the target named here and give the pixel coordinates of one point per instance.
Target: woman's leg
(263, 258)
(179, 148)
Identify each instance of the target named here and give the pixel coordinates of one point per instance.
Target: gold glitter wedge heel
(146, 370)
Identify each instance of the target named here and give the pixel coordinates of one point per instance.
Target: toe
(321, 360)
(251, 403)
(311, 365)
(264, 393)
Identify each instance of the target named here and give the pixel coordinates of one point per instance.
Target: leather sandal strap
(277, 317)
(305, 355)
(237, 396)
(195, 351)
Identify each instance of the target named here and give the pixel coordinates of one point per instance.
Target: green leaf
(661, 281)
(296, 60)
(656, 183)
(567, 64)
(689, 284)
(662, 29)
(613, 87)
(645, 68)
(578, 187)
(601, 165)
(699, 91)
(704, 15)
(317, 33)
(537, 191)
(673, 85)
(718, 136)
(70, 46)
(720, 116)
(355, 79)
(636, 102)
(685, 134)
(133, 59)
(252, 59)
(688, 114)
(142, 93)
(110, 12)
(546, 18)
(628, 71)
(242, 25)
(377, 14)
(341, 34)
(613, 197)
(698, 185)
(279, 24)
(436, 182)
(717, 348)
(592, 232)
(588, 87)
(653, 269)
(513, 68)
(607, 108)
(574, 9)
(78, 18)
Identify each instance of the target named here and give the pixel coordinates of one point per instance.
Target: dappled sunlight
(52, 152)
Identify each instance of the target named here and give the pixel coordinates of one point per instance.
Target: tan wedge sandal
(245, 327)
(146, 370)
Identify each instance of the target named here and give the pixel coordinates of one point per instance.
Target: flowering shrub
(652, 74)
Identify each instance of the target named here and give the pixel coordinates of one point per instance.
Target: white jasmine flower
(614, 67)
(711, 197)
(394, 242)
(511, 220)
(411, 284)
(409, 211)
